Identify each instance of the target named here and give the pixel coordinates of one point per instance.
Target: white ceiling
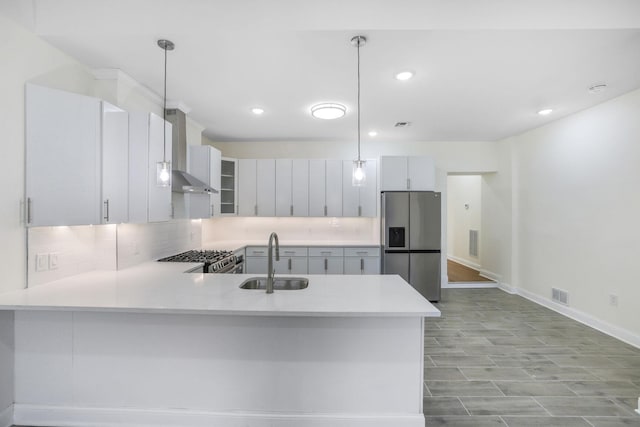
(483, 67)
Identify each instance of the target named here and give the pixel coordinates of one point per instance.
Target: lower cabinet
(314, 260)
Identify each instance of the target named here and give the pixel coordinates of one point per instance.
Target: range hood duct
(181, 180)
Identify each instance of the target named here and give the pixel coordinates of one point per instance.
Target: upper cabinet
(292, 187)
(204, 163)
(75, 160)
(256, 187)
(359, 201)
(148, 202)
(325, 187)
(407, 174)
(228, 186)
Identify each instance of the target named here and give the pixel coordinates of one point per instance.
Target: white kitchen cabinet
(255, 265)
(359, 201)
(148, 202)
(398, 173)
(292, 187)
(293, 260)
(76, 157)
(325, 188)
(204, 163)
(256, 187)
(326, 260)
(228, 186)
(362, 261)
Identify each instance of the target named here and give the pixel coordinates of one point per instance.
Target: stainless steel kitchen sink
(279, 283)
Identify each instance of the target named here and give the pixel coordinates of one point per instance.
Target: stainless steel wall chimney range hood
(181, 181)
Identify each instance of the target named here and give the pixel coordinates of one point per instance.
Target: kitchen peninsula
(151, 345)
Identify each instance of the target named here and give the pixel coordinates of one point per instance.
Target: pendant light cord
(358, 45)
(164, 111)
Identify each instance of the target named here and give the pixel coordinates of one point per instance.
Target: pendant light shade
(359, 177)
(163, 168)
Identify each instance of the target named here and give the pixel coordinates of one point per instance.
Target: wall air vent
(473, 243)
(402, 124)
(560, 296)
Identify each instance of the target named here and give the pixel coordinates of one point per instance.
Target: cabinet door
(215, 165)
(291, 265)
(393, 173)
(350, 194)
(369, 196)
(247, 187)
(361, 265)
(138, 167)
(228, 187)
(255, 265)
(334, 187)
(326, 265)
(300, 187)
(266, 187)
(159, 197)
(284, 181)
(422, 174)
(317, 187)
(63, 178)
(115, 164)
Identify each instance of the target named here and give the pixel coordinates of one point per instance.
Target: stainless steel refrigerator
(411, 236)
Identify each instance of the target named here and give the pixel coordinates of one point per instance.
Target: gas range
(214, 261)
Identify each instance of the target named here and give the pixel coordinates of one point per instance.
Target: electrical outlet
(53, 261)
(613, 300)
(42, 262)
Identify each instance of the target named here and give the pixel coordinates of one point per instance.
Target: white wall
(577, 208)
(464, 213)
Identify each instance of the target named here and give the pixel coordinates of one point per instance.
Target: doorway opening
(464, 229)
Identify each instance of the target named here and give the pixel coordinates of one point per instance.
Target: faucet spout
(270, 270)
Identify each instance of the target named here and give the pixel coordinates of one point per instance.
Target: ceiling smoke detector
(402, 124)
(597, 88)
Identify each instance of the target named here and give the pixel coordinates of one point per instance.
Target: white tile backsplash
(107, 247)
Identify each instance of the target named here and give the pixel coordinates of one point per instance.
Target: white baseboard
(124, 417)
(6, 417)
(580, 316)
(464, 262)
(469, 285)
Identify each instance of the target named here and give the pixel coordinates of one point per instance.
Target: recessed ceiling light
(328, 111)
(373, 133)
(545, 112)
(257, 110)
(404, 75)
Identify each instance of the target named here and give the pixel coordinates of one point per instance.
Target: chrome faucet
(270, 270)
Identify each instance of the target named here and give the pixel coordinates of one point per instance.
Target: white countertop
(233, 245)
(155, 287)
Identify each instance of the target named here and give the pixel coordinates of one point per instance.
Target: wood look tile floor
(461, 273)
(495, 359)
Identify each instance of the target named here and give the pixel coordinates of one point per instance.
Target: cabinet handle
(326, 264)
(325, 253)
(255, 210)
(106, 210)
(289, 264)
(359, 210)
(291, 210)
(212, 209)
(290, 252)
(408, 184)
(257, 252)
(29, 210)
(362, 253)
(361, 265)
(325, 210)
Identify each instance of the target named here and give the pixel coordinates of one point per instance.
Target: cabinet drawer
(325, 252)
(360, 252)
(292, 251)
(256, 251)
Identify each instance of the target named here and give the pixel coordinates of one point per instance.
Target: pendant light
(163, 169)
(359, 176)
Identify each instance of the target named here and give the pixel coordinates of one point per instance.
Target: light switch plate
(42, 262)
(53, 261)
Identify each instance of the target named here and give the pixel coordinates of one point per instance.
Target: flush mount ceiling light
(373, 133)
(257, 111)
(404, 75)
(359, 176)
(163, 168)
(328, 111)
(545, 112)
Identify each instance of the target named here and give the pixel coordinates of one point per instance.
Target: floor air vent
(560, 296)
